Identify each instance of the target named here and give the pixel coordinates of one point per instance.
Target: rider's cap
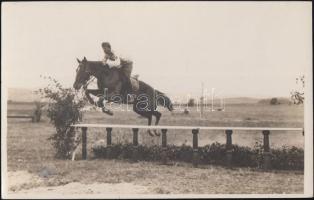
(106, 44)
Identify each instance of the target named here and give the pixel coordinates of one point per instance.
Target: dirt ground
(106, 178)
(20, 179)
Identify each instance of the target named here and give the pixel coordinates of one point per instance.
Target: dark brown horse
(146, 98)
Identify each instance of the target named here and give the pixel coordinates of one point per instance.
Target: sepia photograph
(175, 99)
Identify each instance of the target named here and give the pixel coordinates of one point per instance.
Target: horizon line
(230, 96)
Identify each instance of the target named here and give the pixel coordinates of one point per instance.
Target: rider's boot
(126, 86)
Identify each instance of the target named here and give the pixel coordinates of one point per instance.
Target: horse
(146, 98)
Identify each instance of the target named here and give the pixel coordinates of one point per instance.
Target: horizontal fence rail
(32, 117)
(19, 116)
(195, 131)
(185, 127)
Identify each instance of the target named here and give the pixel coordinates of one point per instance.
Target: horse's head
(82, 74)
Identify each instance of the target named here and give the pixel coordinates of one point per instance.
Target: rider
(124, 65)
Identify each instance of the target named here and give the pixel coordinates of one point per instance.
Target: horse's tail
(163, 100)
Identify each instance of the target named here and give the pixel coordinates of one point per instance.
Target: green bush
(284, 158)
(63, 111)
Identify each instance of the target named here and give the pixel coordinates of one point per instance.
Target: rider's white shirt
(112, 63)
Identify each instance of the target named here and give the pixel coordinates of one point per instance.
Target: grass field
(28, 150)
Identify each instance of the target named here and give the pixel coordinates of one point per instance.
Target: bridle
(88, 82)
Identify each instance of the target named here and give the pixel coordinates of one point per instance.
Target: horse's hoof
(150, 133)
(109, 112)
(156, 132)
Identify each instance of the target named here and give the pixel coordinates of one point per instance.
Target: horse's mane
(95, 62)
(99, 65)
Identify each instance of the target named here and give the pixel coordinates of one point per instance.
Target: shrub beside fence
(63, 110)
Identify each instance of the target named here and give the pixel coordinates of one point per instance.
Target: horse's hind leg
(145, 114)
(149, 117)
(158, 116)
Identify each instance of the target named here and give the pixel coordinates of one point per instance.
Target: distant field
(249, 115)
(28, 149)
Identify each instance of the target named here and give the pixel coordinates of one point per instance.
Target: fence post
(266, 149)
(164, 146)
(195, 147)
(108, 152)
(84, 143)
(135, 144)
(229, 147)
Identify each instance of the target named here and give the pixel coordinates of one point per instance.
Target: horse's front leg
(100, 103)
(149, 117)
(158, 116)
(93, 92)
(101, 100)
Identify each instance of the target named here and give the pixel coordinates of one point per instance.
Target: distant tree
(274, 101)
(191, 102)
(297, 96)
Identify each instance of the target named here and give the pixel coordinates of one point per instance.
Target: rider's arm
(104, 60)
(114, 63)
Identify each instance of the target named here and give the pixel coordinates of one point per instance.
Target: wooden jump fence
(195, 131)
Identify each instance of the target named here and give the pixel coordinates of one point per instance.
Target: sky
(238, 48)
